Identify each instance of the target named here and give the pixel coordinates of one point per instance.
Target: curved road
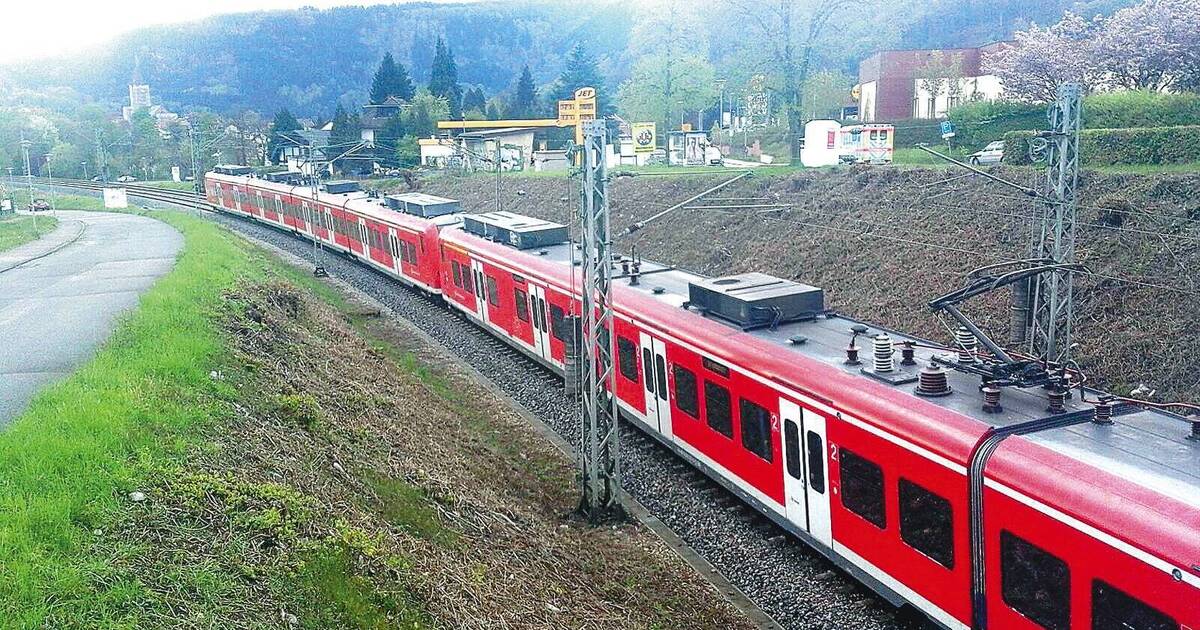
(58, 307)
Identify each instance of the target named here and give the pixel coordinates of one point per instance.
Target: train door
(805, 470)
(306, 214)
(654, 372)
(278, 205)
(480, 291)
(541, 327)
(362, 238)
(394, 249)
(329, 225)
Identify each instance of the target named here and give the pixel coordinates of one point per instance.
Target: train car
(342, 218)
(979, 509)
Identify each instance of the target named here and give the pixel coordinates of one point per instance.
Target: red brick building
(889, 87)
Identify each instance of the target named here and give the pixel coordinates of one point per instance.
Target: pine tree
(581, 70)
(443, 78)
(403, 86)
(344, 136)
(284, 123)
(383, 83)
(524, 104)
(389, 138)
(474, 100)
(492, 112)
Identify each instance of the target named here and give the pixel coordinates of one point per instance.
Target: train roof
(1147, 448)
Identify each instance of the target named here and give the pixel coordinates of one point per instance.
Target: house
(479, 148)
(437, 152)
(375, 116)
(898, 84)
(305, 149)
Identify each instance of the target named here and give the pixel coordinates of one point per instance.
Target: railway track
(790, 582)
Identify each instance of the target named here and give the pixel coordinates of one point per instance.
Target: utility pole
(600, 473)
(196, 181)
(25, 144)
(1053, 238)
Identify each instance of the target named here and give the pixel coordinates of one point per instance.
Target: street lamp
(84, 165)
(25, 144)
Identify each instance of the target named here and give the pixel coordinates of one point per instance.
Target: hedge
(1098, 147)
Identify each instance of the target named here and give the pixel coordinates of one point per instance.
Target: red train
(897, 470)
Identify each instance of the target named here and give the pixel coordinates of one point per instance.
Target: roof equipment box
(521, 232)
(285, 177)
(340, 186)
(422, 205)
(752, 300)
(232, 169)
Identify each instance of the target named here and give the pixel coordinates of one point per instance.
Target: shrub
(979, 123)
(1147, 145)
(1140, 108)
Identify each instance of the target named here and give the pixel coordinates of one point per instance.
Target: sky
(48, 28)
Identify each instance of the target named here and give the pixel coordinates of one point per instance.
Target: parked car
(993, 153)
(126, 179)
(39, 205)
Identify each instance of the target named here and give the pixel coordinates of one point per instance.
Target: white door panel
(654, 383)
(816, 457)
(794, 475)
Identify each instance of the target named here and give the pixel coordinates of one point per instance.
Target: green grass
(167, 184)
(137, 408)
(18, 230)
(63, 202)
(68, 462)
(409, 508)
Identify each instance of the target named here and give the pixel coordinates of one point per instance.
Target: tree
(1041, 59)
(1154, 46)
(284, 123)
(825, 93)
(344, 136)
(493, 111)
(443, 78)
(788, 31)
(426, 110)
(524, 104)
(581, 70)
(391, 79)
(941, 74)
(474, 101)
(66, 160)
(661, 88)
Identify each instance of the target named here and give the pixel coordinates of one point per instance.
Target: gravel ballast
(786, 579)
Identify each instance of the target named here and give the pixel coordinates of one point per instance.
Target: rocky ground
(884, 241)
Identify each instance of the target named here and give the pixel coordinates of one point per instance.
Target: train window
(862, 487)
(791, 447)
(756, 428)
(1035, 583)
(716, 408)
(927, 523)
(493, 292)
(456, 269)
(627, 358)
(468, 280)
(816, 463)
(660, 376)
(556, 322)
(647, 361)
(1113, 608)
(412, 254)
(685, 391)
(522, 301)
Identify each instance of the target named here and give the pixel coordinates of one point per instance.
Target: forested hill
(309, 59)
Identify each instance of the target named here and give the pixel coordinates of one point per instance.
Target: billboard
(115, 198)
(644, 140)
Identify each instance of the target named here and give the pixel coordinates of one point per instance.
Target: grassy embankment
(123, 422)
(18, 230)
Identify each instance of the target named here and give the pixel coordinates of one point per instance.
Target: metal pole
(195, 168)
(84, 165)
(25, 144)
(600, 474)
(1054, 238)
(50, 184)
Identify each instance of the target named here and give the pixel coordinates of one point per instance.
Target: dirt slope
(883, 242)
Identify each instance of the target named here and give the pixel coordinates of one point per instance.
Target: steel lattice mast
(1054, 235)
(600, 473)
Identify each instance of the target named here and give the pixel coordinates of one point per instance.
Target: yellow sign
(572, 112)
(644, 140)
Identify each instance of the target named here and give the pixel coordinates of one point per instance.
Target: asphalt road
(56, 309)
